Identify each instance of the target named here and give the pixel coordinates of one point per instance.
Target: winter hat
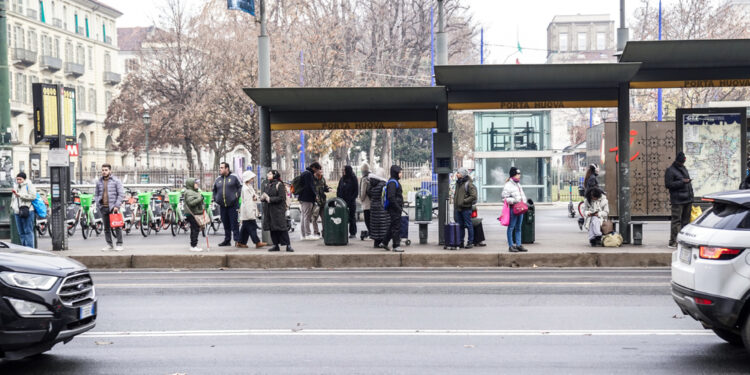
(680, 157)
(365, 168)
(22, 175)
(514, 172)
(247, 176)
(463, 172)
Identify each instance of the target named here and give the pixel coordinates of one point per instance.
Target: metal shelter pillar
(443, 178)
(264, 80)
(623, 171)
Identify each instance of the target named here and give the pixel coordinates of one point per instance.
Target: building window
(18, 6)
(131, 65)
(57, 48)
(19, 37)
(46, 45)
(81, 99)
(107, 62)
(92, 100)
(601, 41)
(80, 55)
(107, 100)
(32, 81)
(20, 88)
(582, 42)
(65, 17)
(68, 51)
(563, 42)
(91, 58)
(32, 41)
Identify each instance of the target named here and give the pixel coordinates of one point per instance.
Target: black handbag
(23, 211)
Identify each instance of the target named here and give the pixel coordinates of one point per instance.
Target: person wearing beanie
(464, 198)
(364, 188)
(348, 191)
(513, 194)
(678, 181)
(395, 195)
(23, 194)
(249, 212)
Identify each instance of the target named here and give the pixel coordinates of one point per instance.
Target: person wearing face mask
(596, 211)
(591, 181)
(274, 211)
(513, 194)
(678, 181)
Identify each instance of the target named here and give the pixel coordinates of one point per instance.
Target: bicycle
(164, 207)
(150, 218)
(174, 215)
(90, 221)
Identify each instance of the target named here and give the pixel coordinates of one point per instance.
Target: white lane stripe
(395, 332)
(378, 284)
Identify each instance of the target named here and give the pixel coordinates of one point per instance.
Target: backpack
(386, 203)
(39, 206)
(297, 184)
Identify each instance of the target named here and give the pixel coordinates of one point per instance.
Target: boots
(274, 248)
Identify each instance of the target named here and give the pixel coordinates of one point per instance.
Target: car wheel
(745, 331)
(729, 336)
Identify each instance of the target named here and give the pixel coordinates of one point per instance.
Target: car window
(726, 216)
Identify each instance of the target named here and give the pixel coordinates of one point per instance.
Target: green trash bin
(335, 223)
(423, 207)
(527, 226)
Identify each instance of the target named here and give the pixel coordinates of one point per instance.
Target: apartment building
(69, 42)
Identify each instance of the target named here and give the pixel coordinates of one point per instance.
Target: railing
(31, 13)
(51, 63)
(108, 40)
(85, 117)
(73, 69)
(23, 56)
(57, 22)
(81, 30)
(112, 78)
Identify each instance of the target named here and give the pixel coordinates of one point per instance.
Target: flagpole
(302, 132)
(432, 81)
(659, 111)
(481, 47)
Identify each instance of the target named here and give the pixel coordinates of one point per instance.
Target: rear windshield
(726, 216)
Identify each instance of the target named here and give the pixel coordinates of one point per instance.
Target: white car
(711, 267)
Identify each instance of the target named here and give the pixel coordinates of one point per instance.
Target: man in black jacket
(678, 181)
(307, 198)
(348, 191)
(395, 196)
(227, 190)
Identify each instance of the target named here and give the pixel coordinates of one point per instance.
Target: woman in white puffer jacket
(513, 194)
(249, 212)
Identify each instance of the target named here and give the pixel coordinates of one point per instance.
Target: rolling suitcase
(478, 231)
(404, 233)
(451, 231)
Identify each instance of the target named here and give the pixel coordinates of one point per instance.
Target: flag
(519, 47)
(517, 61)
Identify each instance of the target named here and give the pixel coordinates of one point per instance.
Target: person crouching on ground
(274, 211)
(513, 194)
(195, 207)
(249, 212)
(596, 210)
(395, 195)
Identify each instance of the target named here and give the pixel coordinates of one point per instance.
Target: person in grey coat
(108, 196)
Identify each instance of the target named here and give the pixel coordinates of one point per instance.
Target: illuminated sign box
(45, 112)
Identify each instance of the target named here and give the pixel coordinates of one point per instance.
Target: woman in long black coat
(379, 219)
(348, 190)
(274, 211)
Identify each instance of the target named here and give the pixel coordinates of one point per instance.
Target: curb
(386, 260)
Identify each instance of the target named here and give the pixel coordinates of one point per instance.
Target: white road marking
(395, 332)
(376, 284)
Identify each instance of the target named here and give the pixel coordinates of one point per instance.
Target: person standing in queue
(321, 188)
(348, 191)
(195, 207)
(379, 220)
(678, 181)
(226, 193)
(513, 194)
(249, 212)
(23, 194)
(364, 197)
(464, 199)
(108, 195)
(307, 198)
(395, 204)
(274, 211)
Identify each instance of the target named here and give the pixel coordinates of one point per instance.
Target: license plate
(686, 253)
(87, 311)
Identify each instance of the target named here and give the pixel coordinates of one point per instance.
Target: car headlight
(28, 309)
(28, 280)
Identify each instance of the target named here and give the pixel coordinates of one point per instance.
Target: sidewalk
(559, 243)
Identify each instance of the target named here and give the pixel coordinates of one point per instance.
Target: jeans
(394, 230)
(680, 218)
(25, 228)
(194, 230)
(107, 227)
(306, 209)
(463, 218)
(231, 224)
(514, 229)
(352, 208)
(249, 229)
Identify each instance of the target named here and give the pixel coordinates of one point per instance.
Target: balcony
(112, 78)
(108, 40)
(85, 117)
(74, 70)
(23, 57)
(57, 22)
(81, 30)
(50, 63)
(31, 13)
(17, 108)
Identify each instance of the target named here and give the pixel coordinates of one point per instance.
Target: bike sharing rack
(642, 65)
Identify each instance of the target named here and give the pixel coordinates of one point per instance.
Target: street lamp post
(147, 125)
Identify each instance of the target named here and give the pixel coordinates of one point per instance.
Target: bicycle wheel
(167, 219)
(85, 228)
(580, 208)
(41, 228)
(98, 227)
(72, 226)
(145, 227)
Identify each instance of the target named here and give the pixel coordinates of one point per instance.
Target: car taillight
(721, 253)
(703, 301)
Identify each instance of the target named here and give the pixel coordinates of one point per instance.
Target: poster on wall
(714, 141)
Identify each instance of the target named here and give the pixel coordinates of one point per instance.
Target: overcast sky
(503, 21)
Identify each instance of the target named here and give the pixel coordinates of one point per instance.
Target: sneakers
(108, 248)
(469, 246)
(385, 247)
(260, 244)
(196, 249)
(313, 238)
(672, 245)
(398, 249)
(352, 236)
(119, 248)
(513, 249)
(241, 245)
(481, 244)
(521, 248)
(289, 249)
(225, 243)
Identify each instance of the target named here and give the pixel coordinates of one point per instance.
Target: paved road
(389, 321)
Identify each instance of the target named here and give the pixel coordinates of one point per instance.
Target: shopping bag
(116, 220)
(504, 218)
(520, 208)
(695, 213)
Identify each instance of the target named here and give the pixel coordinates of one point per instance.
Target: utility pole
(443, 128)
(442, 44)
(7, 222)
(623, 34)
(264, 80)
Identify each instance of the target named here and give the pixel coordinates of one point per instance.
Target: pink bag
(520, 208)
(504, 218)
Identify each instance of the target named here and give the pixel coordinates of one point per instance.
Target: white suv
(711, 267)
